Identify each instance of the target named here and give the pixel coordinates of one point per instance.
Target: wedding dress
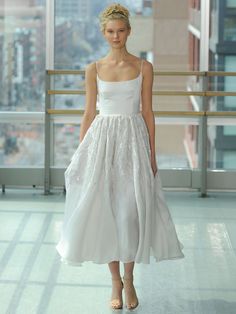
(115, 208)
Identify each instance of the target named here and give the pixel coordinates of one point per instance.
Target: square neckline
(123, 80)
(119, 81)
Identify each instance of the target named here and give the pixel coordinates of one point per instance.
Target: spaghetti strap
(96, 66)
(141, 66)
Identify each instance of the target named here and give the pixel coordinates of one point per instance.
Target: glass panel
(231, 3)
(177, 146)
(173, 103)
(222, 146)
(229, 130)
(21, 144)
(230, 82)
(230, 28)
(69, 102)
(65, 142)
(67, 83)
(22, 55)
(194, 103)
(222, 58)
(229, 160)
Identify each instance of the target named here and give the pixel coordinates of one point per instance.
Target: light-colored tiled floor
(33, 280)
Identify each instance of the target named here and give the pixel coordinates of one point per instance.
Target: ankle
(128, 276)
(116, 278)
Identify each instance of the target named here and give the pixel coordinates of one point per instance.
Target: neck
(118, 55)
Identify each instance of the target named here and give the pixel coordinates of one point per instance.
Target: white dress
(115, 209)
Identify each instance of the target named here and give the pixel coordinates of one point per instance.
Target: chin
(117, 45)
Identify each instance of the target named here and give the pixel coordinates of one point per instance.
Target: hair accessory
(116, 11)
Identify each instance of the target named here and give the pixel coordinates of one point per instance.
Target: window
(22, 56)
(230, 28)
(230, 81)
(231, 3)
(229, 160)
(22, 81)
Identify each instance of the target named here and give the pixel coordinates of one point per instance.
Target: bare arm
(147, 111)
(91, 99)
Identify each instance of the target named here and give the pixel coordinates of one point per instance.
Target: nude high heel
(117, 304)
(130, 291)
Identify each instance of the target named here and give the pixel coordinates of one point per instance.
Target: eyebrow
(110, 29)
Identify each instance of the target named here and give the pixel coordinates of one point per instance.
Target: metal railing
(202, 114)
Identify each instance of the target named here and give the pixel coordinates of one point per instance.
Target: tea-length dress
(115, 208)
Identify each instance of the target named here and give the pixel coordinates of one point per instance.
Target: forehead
(114, 24)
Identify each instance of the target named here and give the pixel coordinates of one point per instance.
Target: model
(115, 210)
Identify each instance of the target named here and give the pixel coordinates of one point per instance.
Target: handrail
(159, 93)
(156, 73)
(220, 73)
(156, 113)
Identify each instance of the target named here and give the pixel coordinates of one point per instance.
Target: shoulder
(147, 71)
(90, 69)
(147, 66)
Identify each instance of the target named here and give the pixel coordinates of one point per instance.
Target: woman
(115, 210)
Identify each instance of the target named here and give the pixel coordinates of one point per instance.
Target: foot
(116, 297)
(131, 299)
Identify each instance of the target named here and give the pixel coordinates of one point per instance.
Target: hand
(154, 165)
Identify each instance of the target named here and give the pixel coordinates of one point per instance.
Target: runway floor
(33, 280)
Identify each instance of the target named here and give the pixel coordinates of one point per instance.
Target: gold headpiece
(117, 11)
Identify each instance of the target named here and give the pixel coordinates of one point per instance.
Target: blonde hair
(115, 11)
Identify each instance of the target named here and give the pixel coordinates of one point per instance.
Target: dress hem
(73, 263)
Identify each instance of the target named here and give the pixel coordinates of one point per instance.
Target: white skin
(120, 65)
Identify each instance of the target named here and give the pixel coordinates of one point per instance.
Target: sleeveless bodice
(121, 97)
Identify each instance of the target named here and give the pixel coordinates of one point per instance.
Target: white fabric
(115, 208)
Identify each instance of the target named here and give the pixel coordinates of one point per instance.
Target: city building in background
(22, 77)
(22, 55)
(222, 57)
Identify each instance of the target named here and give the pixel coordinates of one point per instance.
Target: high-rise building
(22, 25)
(222, 57)
(74, 9)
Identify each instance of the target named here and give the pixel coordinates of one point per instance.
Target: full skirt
(115, 209)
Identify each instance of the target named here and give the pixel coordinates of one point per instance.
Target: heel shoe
(131, 300)
(117, 303)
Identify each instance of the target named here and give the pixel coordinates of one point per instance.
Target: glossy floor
(33, 280)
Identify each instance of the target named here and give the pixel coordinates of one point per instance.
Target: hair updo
(114, 11)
